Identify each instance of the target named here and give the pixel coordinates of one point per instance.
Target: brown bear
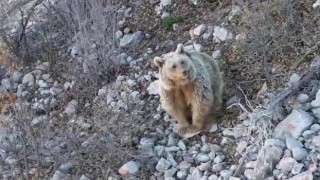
(190, 89)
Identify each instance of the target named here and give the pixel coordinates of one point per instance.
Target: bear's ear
(180, 48)
(158, 61)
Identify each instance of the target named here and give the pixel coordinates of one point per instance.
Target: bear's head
(175, 68)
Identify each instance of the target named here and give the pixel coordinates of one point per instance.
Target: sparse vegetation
(168, 21)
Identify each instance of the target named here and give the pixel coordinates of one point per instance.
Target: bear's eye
(174, 66)
(182, 62)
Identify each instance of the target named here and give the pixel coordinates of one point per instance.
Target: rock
(196, 174)
(159, 150)
(213, 177)
(181, 145)
(294, 78)
(146, 142)
(293, 125)
(166, 2)
(234, 178)
(205, 148)
(172, 149)
(316, 112)
(226, 174)
(316, 103)
(6, 83)
(216, 54)
(217, 167)
(249, 173)
(4, 90)
(131, 39)
(213, 128)
(164, 15)
(316, 4)
(83, 177)
(28, 79)
(201, 157)
(130, 168)
(194, 2)
(198, 31)
(302, 98)
(119, 34)
(221, 34)
(312, 167)
(204, 166)
(153, 88)
(297, 169)
(316, 141)
(303, 176)
(237, 132)
(286, 164)
(241, 146)
(197, 47)
(212, 155)
(182, 174)
(299, 153)
(219, 158)
(16, 76)
(308, 134)
(163, 165)
(55, 91)
(171, 140)
(170, 172)
(293, 143)
(315, 127)
(266, 157)
(183, 165)
(71, 107)
(58, 175)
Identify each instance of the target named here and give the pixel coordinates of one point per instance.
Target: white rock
(200, 30)
(119, 34)
(219, 158)
(55, 91)
(213, 177)
(181, 145)
(305, 176)
(302, 98)
(287, 163)
(294, 124)
(216, 54)
(16, 76)
(196, 174)
(221, 34)
(293, 143)
(163, 165)
(294, 78)
(182, 174)
(316, 141)
(28, 79)
(315, 127)
(226, 174)
(166, 2)
(153, 88)
(130, 168)
(164, 15)
(316, 112)
(297, 169)
(184, 165)
(131, 39)
(170, 172)
(204, 166)
(316, 4)
(249, 173)
(6, 83)
(299, 153)
(194, 2)
(73, 51)
(201, 157)
(241, 146)
(71, 107)
(275, 142)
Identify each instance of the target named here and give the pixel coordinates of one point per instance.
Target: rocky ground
(55, 126)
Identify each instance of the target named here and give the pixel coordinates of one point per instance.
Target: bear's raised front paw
(188, 131)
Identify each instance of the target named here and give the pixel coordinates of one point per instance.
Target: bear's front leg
(174, 105)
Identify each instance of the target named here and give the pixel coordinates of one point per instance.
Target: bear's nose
(184, 72)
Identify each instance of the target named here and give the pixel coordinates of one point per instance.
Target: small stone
(305, 176)
(16, 76)
(293, 143)
(153, 88)
(275, 142)
(216, 54)
(164, 15)
(170, 172)
(182, 174)
(6, 83)
(196, 174)
(233, 178)
(308, 134)
(119, 34)
(146, 142)
(130, 168)
(131, 39)
(294, 124)
(213, 128)
(212, 155)
(302, 98)
(249, 173)
(294, 78)
(286, 164)
(181, 145)
(200, 30)
(241, 146)
(215, 147)
(312, 167)
(299, 153)
(202, 157)
(55, 91)
(28, 79)
(316, 141)
(163, 165)
(205, 148)
(226, 174)
(204, 166)
(316, 103)
(171, 140)
(172, 149)
(219, 159)
(315, 127)
(166, 2)
(213, 177)
(217, 167)
(316, 112)
(159, 150)
(71, 107)
(221, 34)
(184, 165)
(297, 169)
